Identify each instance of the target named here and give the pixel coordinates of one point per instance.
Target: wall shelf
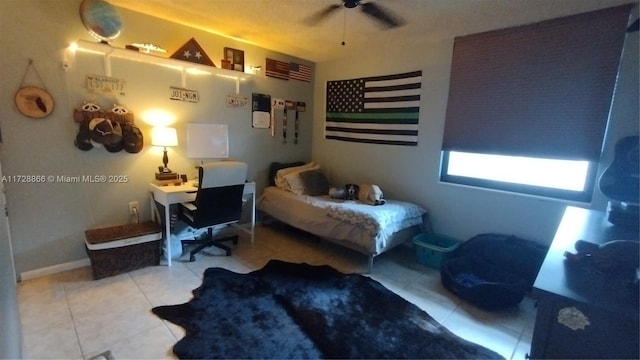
(184, 67)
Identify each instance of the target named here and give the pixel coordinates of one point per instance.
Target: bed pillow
(274, 167)
(293, 182)
(315, 183)
(280, 180)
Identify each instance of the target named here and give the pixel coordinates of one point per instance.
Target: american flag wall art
(299, 72)
(277, 69)
(376, 110)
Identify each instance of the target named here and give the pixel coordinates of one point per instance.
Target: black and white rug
(288, 310)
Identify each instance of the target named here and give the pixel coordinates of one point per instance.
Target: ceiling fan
(384, 17)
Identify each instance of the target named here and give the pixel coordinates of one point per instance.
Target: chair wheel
(228, 252)
(192, 258)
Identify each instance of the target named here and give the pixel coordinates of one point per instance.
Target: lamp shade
(164, 136)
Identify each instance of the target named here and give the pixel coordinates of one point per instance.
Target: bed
(368, 229)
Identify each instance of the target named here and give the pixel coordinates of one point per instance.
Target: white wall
(48, 220)
(412, 173)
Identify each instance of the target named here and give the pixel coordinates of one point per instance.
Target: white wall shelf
(183, 66)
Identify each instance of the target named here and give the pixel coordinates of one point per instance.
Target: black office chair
(218, 203)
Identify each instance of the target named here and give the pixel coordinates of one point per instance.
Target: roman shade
(539, 90)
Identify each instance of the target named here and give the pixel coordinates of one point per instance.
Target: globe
(101, 19)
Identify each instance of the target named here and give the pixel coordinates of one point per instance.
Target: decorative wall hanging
(237, 101)
(101, 19)
(300, 107)
(234, 59)
(261, 111)
(276, 104)
(299, 72)
(380, 117)
(277, 69)
(33, 101)
(145, 48)
(115, 129)
(288, 105)
(181, 94)
(191, 51)
(106, 85)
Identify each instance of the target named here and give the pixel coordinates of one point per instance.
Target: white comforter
(367, 226)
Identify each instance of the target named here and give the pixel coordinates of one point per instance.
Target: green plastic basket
(432, 248)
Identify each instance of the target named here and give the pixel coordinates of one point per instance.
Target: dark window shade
(539, 90)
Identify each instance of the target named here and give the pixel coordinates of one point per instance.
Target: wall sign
(237, 101)
(106, 85)
(181, 94)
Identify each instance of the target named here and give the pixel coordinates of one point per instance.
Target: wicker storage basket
(117, 249)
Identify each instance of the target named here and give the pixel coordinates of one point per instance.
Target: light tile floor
(70, 316)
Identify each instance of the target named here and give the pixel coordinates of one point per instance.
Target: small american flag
(277, 69)
(299, 72)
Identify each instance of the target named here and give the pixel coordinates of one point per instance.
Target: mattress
(366, 228)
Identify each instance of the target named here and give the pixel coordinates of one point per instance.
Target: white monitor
(207, 141)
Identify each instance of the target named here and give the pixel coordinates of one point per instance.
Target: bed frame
(398, 238)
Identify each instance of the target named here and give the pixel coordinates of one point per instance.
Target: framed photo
(235, 58)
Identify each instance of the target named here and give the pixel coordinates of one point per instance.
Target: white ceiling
(279, 24)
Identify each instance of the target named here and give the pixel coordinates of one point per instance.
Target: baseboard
(32, 274)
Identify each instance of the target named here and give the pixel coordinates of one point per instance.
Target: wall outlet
(134, 208)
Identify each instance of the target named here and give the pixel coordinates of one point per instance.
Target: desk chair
(218, 203)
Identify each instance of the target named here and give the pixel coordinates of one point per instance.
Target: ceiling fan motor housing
(351, 3)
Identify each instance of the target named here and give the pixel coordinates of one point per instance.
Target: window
(564, 179)
(539, 96)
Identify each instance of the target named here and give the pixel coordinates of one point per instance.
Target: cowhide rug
(288, 310)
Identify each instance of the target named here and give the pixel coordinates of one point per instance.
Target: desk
(175, 194)
(603, 311)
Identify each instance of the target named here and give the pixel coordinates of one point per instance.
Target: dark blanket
(287, 310)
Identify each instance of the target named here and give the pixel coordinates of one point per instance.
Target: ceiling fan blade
(321, 15)
(384, 16)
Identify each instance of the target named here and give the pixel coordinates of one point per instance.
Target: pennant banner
(299, 72)
(376, 110)
(277, 69)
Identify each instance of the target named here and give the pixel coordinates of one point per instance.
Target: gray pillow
(315, 183)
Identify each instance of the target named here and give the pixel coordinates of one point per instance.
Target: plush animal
(351, 191)
(87, 111)
(617, 258)
(365, 193)
(337, 193)
(114, 129)
(371, 194)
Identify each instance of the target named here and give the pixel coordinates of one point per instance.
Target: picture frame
(235, 59)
